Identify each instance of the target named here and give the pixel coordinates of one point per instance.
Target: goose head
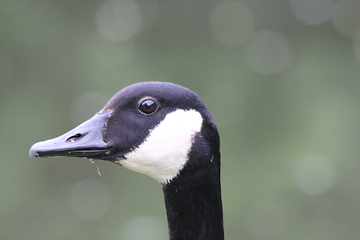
(148, 127)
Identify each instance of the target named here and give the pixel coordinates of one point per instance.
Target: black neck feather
(193, 198)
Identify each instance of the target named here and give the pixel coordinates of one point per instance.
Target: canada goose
(165, 131)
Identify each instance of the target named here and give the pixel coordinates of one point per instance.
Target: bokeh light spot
(150, 229)
(231, 23)
(265, 220)
(118, 19)
(312, 12)
(314, 175)
(90, 199)
(267, 52)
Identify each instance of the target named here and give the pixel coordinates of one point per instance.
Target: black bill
(83, 141)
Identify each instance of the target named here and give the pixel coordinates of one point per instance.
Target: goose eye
(148, 106)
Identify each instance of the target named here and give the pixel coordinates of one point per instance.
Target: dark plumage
(165, 131)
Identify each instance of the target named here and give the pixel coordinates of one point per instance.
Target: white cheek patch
(165, 151)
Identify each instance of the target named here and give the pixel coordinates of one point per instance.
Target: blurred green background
(280, 77)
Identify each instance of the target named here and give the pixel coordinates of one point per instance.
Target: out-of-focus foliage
(280, 77)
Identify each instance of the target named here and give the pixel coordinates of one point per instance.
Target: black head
(139, 125)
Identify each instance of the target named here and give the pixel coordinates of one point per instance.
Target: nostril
(74, 138)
